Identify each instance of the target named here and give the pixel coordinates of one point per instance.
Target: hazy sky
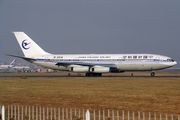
(92, 26)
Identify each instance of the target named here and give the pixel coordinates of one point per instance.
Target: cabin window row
(58, 56)
(137, 57)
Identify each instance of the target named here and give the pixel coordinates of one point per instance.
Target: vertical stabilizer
(13, 62)
(28, 46)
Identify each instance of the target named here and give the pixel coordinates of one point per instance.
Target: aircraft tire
(96, 74)
(152, 74)
(93, 74)
(99, 74)
(88, 74)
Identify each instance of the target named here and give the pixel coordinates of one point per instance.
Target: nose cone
(174, 63)
(169, 64)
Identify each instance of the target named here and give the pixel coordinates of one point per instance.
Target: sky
(92, 26)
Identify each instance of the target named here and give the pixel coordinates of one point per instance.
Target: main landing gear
(152, 74)
(93, 74)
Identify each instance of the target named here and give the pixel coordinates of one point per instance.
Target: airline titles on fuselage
(123, 57)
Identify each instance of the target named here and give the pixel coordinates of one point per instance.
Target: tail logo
(25, 45)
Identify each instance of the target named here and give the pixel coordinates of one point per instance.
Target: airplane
(11, 65)
(91, 64)
(21, 68)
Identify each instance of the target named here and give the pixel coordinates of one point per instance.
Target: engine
(79, 69)
(95, 69)
(99, 69)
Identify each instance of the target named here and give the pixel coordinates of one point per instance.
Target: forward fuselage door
(157, 59)
(120, 58)
(158, 62)
(121, 65)
(46, 58)
(76, 59)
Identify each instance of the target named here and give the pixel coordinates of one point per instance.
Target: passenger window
(134, 57)
(145, 57)
(129, 57)
(124, 57)
(150, 56)
(139, 57)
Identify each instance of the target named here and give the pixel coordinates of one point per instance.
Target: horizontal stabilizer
(25, 58)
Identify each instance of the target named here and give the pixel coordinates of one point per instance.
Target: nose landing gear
(152, 74)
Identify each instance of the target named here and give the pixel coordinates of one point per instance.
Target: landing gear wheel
(132, 74)
(96, 74)
(93, 74)
(153, 74)
(99, 74)
(88, 74)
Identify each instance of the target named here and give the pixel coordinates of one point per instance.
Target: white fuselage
(21, 67)
(6, 66)
(123, 62)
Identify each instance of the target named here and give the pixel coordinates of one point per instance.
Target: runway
(159, 74)
(50, 76)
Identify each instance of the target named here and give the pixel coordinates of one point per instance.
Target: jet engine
(79, 69)
(99, 69)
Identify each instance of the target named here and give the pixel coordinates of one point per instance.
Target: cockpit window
(170, 60)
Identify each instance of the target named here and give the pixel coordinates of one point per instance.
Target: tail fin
(13, 62)
(28, 46)
(1, 63)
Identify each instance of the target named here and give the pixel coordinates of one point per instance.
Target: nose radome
(169, 64)
(172, 63)
(175, 62)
